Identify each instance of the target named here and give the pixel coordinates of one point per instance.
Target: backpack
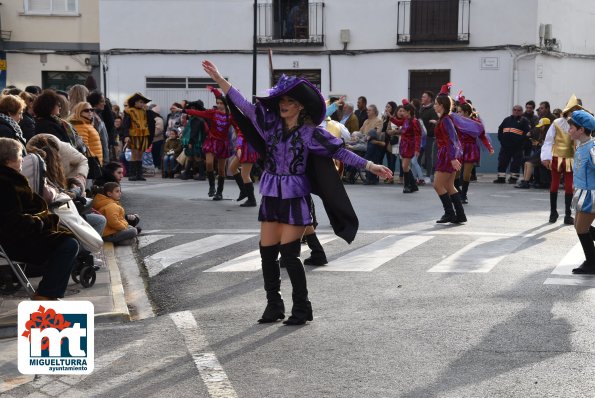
(35, 170)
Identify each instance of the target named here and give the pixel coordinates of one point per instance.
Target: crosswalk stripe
(251, 261)
(481, 255)
(372, 256)
(571, 260)
(576, 280)
(157, 262)
(146, 240)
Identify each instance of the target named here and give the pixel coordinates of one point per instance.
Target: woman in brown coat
(26, 223)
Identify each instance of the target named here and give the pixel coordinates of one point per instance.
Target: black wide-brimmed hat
(135, 97)
(302, 91)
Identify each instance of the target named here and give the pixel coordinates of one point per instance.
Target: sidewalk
(107, 295)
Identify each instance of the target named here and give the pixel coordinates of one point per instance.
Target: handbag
(82, 230)
(94, 167)
(182, 158)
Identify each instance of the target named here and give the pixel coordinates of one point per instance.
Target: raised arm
(214, 74)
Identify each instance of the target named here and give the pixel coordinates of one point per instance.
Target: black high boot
(139, 171)
(186, 173)
(200, 168)
(219, 193)
(449, 212)
(553, 207)
(240, 182)
(463, 192)
(132, 171)
(457, 182)
(592, 232)
(567, 203)
(407, 188)
(317, 254)
(302, 308)
(249, 189)
(459, 210)
(275, 309)
(211, 178)
(412, 182)
(587, 267)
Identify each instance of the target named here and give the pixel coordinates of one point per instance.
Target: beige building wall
(58, 43)
(80, 28)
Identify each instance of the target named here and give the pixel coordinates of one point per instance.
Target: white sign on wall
(490, 63)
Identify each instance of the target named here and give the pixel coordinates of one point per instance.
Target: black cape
(324, 180)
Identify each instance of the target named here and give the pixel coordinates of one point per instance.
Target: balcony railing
(278, 27)
(433, 22)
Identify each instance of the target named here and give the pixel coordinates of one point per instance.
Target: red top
(219, 122)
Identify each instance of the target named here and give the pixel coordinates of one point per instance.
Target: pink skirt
(219, 148)
(443, 161)
(471, 153)
(407, 148)
(249, 155)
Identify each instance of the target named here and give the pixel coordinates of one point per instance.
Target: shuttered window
(51, 7)
(434, 20)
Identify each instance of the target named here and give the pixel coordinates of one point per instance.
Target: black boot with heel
(271, 273)
(317, 254)
(449, 212)
(301, 312)
(587, 267)
(553, 207)
(568, 219)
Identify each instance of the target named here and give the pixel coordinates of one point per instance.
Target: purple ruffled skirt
(443, 161)
(293, 211)
(219, 148)
(471, 153)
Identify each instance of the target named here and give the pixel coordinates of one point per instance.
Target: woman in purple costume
(287, 121)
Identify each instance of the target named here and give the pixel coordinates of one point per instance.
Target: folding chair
(7, 285)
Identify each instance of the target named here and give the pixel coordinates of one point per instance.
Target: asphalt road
(410, 309)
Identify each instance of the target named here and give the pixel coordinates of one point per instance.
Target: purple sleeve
(454, 148)
(246, 107)
(325, 144)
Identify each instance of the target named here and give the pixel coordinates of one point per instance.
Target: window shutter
(43, 6)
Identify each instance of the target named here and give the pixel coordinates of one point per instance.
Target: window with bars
(179, 82)
(51, 7)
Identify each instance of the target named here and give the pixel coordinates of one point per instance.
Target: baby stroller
(84, 270)
(12, 275)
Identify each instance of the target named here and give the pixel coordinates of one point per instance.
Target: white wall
(572, 23)
(562, 78)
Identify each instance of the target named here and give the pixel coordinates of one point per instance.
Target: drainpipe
(515, 74)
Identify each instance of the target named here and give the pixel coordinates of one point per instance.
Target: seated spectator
(82, 120)
(533, 161)
(111, 172)
(27, 123)
(52, 151)
(372, 128)
(47, 110)
(119, 229)
(171, 151)
(26, 223)
(11, 112)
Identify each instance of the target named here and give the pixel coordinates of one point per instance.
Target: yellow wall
(83, 28)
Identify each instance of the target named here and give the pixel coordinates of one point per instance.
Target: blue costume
(584, 177)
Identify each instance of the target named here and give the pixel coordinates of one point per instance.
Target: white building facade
(382, 49)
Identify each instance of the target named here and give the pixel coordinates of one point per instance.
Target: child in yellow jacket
(117, 230)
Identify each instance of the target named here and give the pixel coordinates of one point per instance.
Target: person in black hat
(138, 130)
(283, 127)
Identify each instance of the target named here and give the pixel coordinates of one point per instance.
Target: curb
(120, 311)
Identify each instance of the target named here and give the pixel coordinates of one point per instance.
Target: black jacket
(513, 130)
(50, 126)
(27, 126)
(7, 131)
(427, 113)
(324, 180)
